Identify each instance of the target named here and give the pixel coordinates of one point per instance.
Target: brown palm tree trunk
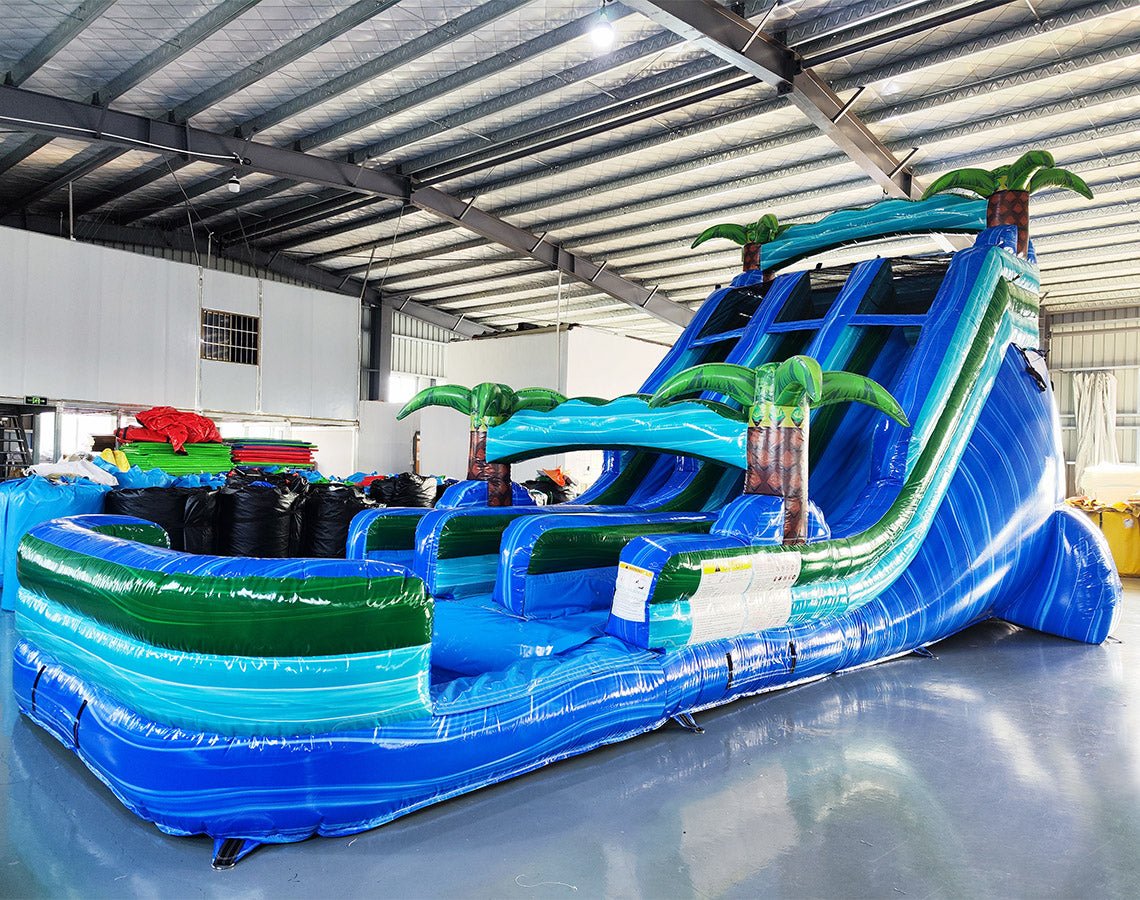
(1011, 208)
(777, 457)
(497, 475)
(750, 256)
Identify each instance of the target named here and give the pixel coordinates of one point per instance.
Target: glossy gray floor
(1007, 766)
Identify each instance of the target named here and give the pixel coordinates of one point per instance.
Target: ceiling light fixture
(233, 185)
(603, 32)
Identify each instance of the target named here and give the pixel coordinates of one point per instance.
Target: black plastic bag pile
(186, 514)
(270, 515)
(406, 489)
(328, 511)
(259, 518)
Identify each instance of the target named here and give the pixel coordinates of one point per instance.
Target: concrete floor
(1007, 766)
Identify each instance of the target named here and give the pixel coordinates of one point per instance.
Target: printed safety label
(743, 594)
(631, 594)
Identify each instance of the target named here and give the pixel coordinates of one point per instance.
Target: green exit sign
(35, 401)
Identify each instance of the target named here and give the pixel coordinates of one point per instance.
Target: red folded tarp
(131, 433)
(169, 425)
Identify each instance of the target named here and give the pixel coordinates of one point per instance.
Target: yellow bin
(1122, 529)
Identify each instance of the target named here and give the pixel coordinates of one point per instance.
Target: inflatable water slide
(830, 468)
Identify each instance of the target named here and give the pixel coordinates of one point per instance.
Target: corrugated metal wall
(418, 347)
(1106, 339)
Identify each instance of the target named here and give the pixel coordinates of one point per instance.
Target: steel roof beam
(523, 242)
(726, 35)
(1082, 135)
(54, 41)
(915, 24)
(522, 131)
(308, 212)
(53, 115)
(474, 19)
(616, 116)
(216, 19)
(597, 106)
(674, 282)
(789, 138)
(470, 21)
(346, 20)
(186, 40)
(590, 107)
(58, 117)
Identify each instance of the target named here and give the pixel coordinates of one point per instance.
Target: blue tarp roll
(27, 502)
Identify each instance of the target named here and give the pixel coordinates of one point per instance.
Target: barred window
(229, 337)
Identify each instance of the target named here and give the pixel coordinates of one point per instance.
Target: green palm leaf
(796, 378)
(736, 382)
(1061, 178)
(735, 233)
(847, 387)
(491, 403)
(541, 399)
(453, 396)
(591, 401)
(723, 409)
(977, 181)
(1026, 164)
(764, 229)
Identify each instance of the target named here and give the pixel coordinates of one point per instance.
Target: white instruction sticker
(743, 594)
(631, 594)
(726, 576)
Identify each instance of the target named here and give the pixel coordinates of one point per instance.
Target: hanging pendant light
(603, 32)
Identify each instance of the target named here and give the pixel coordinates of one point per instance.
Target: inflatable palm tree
(764, 230)
(778, 399)
(489, 403)
(1008, 188)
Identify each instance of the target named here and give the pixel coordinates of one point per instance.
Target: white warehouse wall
(604, 364)
(385, 445)
(93, 324)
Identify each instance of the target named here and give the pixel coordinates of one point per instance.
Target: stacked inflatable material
(165, 423)
(263, 453)
(180, 443)
(209, 458)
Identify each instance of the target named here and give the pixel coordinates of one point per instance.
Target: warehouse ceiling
(612, 158)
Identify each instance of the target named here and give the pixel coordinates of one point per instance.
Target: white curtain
(1094, 394)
